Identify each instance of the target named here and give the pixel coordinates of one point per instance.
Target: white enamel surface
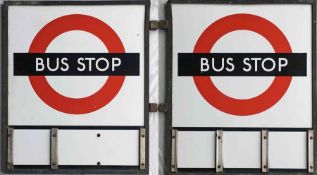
(31, 147)
(241, 149)
(195, 149)
(113, 147)
(288, 150)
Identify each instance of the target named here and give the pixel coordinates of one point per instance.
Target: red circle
(65, 24)
(270, 96)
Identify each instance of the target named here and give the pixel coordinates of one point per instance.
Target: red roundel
(262, 102)
(83, 23)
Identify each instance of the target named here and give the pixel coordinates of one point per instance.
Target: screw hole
(219, 137)
(98, 163)
(98, 135)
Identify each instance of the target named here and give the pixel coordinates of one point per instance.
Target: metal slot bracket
(159, 24)
(10, 149)
(264, 151)
(142, 149)
(219, 158)
(54, 155)
(174, 152)
(310, 143)
(154, 107)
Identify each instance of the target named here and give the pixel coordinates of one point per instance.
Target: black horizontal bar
(242, 64)
(76, 64)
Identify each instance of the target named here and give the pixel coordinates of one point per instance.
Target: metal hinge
(162, 107)
(159, 24)
(154, 107)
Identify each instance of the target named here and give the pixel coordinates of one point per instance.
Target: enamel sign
(242, 66)
(79, 65)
